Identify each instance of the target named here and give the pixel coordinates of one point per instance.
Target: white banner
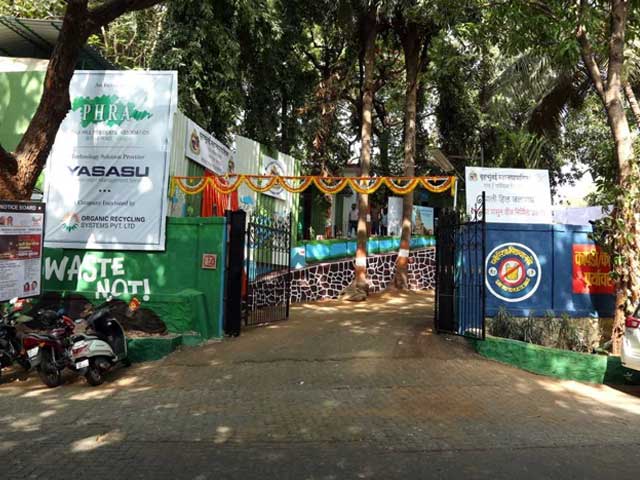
(513, 195)
(274, 166)
(21, 225)
(107, 175)
(394, 216)
(203, 148)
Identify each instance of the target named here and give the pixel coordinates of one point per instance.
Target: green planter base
(556, 363)
(154, 348)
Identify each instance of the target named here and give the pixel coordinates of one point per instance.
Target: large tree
(369, 26)
(624, 231)
(415, 30)
(596, 33)
(20, 169)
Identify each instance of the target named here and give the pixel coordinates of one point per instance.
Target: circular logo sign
(274, 167)
(194, 142)
(513, 272)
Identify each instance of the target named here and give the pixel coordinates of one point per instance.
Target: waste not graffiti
(106, 276)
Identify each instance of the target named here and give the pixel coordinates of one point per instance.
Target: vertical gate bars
(268, 269)
(460, 273)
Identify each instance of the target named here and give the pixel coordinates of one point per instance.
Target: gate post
(236, 222)
(288, 285)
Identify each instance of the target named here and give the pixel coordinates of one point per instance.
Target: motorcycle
(11, 348)
(102, 347)
(50, 352)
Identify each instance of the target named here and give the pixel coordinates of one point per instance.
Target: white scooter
(101, 348)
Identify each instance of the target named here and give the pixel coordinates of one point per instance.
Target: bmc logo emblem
(512, 272)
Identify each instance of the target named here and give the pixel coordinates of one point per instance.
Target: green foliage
(580, 335)
(130, 41)
(32, 8)
(199, 41)
(533, 330)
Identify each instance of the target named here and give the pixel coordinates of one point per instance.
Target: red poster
(591, 267)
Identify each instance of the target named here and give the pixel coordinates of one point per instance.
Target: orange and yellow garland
(328, 185)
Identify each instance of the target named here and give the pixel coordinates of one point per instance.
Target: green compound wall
(557, 363)
(187, 297)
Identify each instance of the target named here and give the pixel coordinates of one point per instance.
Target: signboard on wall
(204, 149)
(422, 220)
(591, 269)
(107, 175)
(21, 225)
(274, 166)
(513, 195)
(545, 268)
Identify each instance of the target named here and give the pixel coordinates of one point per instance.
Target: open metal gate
(460, 275)
(268, 264)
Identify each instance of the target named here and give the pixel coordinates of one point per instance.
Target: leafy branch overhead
(20, 169)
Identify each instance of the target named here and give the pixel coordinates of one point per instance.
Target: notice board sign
(108, 172)
(21, 234)
(204, 149)
(512, 195)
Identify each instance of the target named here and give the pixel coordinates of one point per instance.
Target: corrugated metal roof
(29, 38)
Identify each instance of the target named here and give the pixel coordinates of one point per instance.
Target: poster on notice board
(21, 232)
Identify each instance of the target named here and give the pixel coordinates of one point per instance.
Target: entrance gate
(268, 264)
(460, 264)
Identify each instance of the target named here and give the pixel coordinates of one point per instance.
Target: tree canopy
(523, 83)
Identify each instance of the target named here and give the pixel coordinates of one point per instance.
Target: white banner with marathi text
(204, 149)
(513, 195)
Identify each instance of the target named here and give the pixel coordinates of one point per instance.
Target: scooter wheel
(94, 374)
(50, 375)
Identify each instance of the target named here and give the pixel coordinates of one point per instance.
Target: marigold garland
(373, 184)
(327, 185)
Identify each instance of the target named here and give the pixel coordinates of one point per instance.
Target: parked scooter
(103, 347)
(11, 349)
(50, 352)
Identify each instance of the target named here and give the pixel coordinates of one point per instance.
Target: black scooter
(11, 350)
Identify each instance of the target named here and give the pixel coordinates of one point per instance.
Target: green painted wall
(173, 283)
(19, 96)
(194, 202)
(319, 212)
(557, 363)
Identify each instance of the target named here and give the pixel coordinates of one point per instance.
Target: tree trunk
(31, 154)
(625, 242)
(411, 45)
(624, 155)
(369, 36)
(633, 102)
(19, 170)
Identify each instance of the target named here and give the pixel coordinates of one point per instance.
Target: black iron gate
(268, 264)
(236, 223)
(460, 276)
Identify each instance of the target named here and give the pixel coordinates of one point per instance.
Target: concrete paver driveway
(339, 391)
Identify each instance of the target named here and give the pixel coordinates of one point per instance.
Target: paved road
(339, 391)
